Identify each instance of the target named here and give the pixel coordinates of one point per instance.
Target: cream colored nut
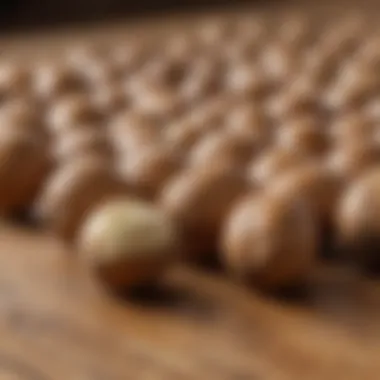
(127, 242)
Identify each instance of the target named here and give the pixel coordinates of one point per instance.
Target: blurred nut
(24, 165)
(358, 221)
(270, 241)
(73, 190)
(199, 200)
(53, 81)
(350, 160)
(14, 80)
(302, 135)
(72, 110)
(273, 162)
(148, 170)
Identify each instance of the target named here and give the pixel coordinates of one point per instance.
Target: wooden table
(56, 324)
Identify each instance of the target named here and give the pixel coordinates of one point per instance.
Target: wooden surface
(56, 324)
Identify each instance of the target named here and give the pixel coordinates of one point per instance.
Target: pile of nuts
(254, 143)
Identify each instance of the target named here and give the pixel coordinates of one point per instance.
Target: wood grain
(56, 324)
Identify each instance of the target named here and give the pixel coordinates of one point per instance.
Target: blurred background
(36, 14)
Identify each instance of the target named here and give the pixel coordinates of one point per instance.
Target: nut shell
(24, 165)
(358, 221)
(73, 190)
(270, 241)
(199, 200)
(127, 242)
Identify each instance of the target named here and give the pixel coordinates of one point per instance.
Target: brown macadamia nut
(247, 81)
(147, 170)
(349, 32)
(157, 102)
(321, 65)
(130, 131)
(165, 72)
(14, 80)
(358, 221)
(349, 161)
(127, 243)
(295, 31)
(100, 72)
(292, 102)
(126, 58)
(272, 162)
(279, 63)
(83, 55)
(181, 48)
(210, 114)
(242, 49)
(21, 114)
(24, 165)
(353, 93)
(213, 33)
(372, 110)
(72, 110)
(351, 128)
(270, 241)
(73, 190)
(180, 136)
(316, 184)
(202, 80)
(79, 142)
(302, 135)
(199, 200)
(252, 30)
(249, 122)
(109, 98)
(217, 147)
(53, 81)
